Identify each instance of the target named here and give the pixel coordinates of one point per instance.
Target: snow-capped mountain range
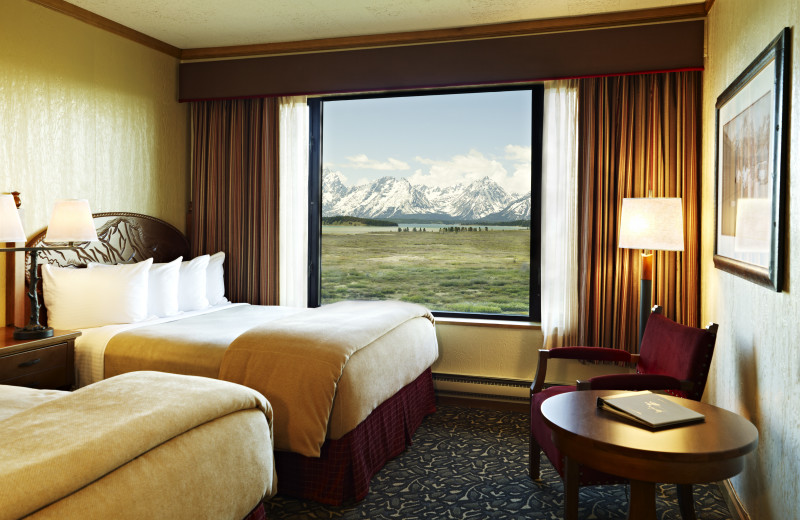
(396, 198)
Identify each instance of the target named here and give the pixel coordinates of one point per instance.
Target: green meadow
(468, 271)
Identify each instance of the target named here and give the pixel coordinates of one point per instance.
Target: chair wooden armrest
(541, 371)
(602, 354)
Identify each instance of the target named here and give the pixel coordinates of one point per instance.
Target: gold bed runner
(315, 343)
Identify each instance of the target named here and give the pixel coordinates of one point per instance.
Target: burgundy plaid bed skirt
(345, 467)
(259, 513)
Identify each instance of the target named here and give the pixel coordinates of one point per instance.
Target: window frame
(316, 115)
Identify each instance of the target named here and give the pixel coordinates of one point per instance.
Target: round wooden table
(709, 451)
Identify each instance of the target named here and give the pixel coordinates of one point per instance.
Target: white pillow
(215, 279)
(162, 286)
(82, 298)
(192, 284)
(164, 281)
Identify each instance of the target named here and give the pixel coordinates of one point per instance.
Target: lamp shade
(71, 221)
(651, 223)
(10, 223)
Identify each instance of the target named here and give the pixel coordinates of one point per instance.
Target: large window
(428, 198)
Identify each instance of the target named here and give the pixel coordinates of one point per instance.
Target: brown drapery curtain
(234, 192)
(639, 135)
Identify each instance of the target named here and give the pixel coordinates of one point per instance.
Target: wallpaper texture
(87, 114)
(756, 370)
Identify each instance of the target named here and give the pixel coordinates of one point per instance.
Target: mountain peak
(392, 197)
(329, 175)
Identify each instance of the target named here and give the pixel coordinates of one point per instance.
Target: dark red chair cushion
(544, 437)
(675, 350)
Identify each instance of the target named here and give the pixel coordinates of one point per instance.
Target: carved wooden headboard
(122, 238)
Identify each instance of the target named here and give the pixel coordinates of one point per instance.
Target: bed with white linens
(349, 382)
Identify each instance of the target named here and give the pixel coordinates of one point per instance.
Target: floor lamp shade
(654, 224)
(651, 223)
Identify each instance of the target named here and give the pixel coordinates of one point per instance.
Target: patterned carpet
(472, 464)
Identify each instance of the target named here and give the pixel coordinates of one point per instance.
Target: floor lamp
(650, 224)
(70, 222)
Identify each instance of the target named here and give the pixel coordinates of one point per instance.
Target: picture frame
(751, 146)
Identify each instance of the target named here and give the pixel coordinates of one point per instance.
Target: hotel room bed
(381, 383)
(141, 445)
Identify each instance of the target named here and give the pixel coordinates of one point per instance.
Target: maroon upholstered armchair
(673, 358)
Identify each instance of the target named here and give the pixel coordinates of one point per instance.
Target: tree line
(449, 229)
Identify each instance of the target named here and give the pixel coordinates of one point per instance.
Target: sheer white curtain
(560, 213)
(293, 202)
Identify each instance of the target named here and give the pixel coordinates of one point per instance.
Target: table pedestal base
(643, 501)
(686, 501)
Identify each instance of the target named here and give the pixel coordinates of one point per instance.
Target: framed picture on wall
(752, 117)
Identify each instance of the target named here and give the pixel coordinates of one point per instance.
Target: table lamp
(70, 222)
(650, 224)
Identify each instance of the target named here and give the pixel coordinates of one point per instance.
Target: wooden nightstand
(38, 363)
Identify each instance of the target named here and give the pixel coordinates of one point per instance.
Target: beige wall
(756, 367)
(87, 114)
(507, 353)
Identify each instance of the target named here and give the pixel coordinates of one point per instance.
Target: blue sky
(437, 140)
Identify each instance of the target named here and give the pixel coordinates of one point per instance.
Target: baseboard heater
(476, 387)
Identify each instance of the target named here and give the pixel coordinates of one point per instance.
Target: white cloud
(475, 166)
(521, 178)
(518, 153)
(458, 169)
(362, 161)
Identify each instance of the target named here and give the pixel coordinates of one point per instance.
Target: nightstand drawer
(52, 378)
(33, 362)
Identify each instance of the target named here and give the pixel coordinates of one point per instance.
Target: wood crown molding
(108, 25)
(572, 23)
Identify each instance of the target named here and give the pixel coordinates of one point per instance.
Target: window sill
(501, 324)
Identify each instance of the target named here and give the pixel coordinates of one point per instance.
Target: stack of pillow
(105, 294)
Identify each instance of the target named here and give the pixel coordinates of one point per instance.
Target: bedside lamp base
(33, 333)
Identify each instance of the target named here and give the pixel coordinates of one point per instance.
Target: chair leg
(686, 501)
(535, 454)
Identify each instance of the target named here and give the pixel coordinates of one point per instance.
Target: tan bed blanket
(84, 436)
(15, 399)
(316, 343)
(192, 346)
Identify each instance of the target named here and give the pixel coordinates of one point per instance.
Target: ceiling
(194, 24)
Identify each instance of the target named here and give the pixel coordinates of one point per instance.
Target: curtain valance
(618, 50)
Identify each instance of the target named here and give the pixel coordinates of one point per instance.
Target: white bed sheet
(90, 346)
